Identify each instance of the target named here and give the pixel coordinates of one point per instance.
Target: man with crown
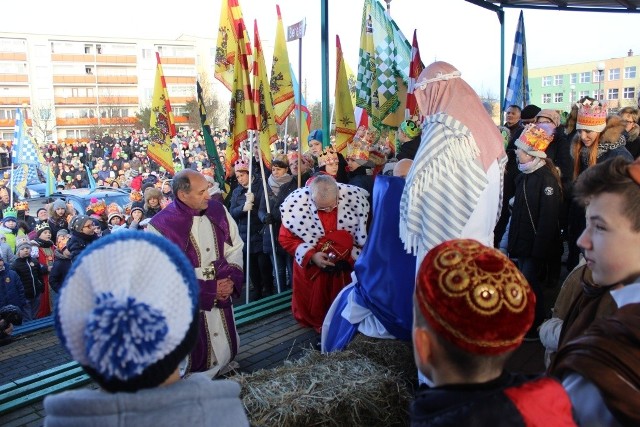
(204, 230)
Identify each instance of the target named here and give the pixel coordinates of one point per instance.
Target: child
(534, 231)
(598, 356)
(31, 275)
(61, 265)
(10, 228)
(57, 218)
(130, 333)
(46, 249)
(83, 232)
(472, 308)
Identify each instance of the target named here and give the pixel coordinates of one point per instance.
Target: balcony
(175, 60)
(132, 80)
(15, 101)
(75, 100)
(10, 123)
(118, 100)
(180, 80)
(86, 78)
(68, 57)
(115, 59)
(93, 121)
(13, 56)
(14, 78)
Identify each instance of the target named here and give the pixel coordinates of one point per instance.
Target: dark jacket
(78, 242)
(360, 178)
(509, 400)
(534, 230)
(409, 149)
(11, 289)
(59, 270)
(238, 199)
(274, 207)
(30, 273)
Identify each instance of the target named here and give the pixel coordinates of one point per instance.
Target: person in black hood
(409, 136)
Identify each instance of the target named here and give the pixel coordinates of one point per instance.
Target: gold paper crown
(534, 138)
(328, 157)
(97, 206)
(42, 226)
(135, 196)
(113, 208)
(21, 206)
(592, 116)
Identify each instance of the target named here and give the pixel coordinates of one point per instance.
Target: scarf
(603, 147)
(531, 166)
(276, 183)
(43, 243)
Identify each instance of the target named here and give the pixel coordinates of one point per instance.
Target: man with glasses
(324, 227)
(629, 117)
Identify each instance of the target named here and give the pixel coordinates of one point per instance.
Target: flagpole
(296, 31)
(266, 199)
(248, 241)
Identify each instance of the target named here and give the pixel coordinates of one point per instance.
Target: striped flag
(415, 68)
(218, 170)
(227, 43)
(262, 101)
(20, 178)
(518, 83)
(345, 121)
(303, 144)
(241, 115)
(281, 83)
(162, 127)
(51, 182)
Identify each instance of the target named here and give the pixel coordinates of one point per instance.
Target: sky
(465, 35)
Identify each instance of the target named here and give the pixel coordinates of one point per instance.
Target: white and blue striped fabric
(518, 84)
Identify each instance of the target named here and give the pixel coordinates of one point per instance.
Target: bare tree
(43, 122)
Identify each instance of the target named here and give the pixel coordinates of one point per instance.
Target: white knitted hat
(128, 310)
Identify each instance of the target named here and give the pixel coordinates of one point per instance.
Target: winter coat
(409, 149)
(56, 224)
(534, 229)
(238, 199)
(360, 178)
(11, 289)
(31, 275)
(274, 206)
(61, 266)
(78, 242)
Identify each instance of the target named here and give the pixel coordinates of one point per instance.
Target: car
(80, 198)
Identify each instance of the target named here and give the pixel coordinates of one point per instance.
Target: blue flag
(518, 84)
(92, 181)
(24, 150)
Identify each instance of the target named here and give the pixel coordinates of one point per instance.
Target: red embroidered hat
(474, 297)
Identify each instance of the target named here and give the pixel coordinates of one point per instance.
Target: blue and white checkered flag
(24, 151)
(518, 84)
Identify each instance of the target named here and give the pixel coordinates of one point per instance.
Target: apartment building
(75, 88)
(615, 81)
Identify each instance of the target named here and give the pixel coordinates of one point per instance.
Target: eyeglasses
(88, 226)
(328, 208)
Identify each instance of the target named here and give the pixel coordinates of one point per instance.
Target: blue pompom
(123, 337)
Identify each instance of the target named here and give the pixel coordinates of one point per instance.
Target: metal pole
(248, 241)
(299, 110)
(501, 19)
(324, 36)
(273, 245)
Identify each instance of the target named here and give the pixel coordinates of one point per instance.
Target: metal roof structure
(606, 6)
(602, 6)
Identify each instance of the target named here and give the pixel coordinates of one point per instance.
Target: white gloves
(247, 206)
(249, 197)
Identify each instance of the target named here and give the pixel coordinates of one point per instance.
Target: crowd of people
(446, 233)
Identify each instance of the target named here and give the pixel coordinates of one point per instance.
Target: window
(557, 97)
(557, 80)
(98, 49)
(598, 96)
(585, 77)
(596, 76)
(9, 114)
(583, 93)
(573, 78)
(628, 93)
(612, 94)
(88, 70)
(147, 54)
(45, 113)
(546, 98)
(87, 49)
(547, 81)
(630, 72)
(614, 74)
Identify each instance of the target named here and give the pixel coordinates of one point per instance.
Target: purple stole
(174, 222)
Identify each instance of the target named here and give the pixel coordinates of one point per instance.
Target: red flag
(415, 68)
(263, 103)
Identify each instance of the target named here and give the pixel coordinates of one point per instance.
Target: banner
(415, 68)
(227, 43)
(303, 144)
(345, 121)
(518, 83)
(162, 125)
(281, 83)
(262, 102)
(212, 150)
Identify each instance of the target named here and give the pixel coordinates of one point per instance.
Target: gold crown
(21, 206)
(328, 157)
(113, 208)
(42, 226)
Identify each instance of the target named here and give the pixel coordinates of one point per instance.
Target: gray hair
(323, 187)
(182, 182)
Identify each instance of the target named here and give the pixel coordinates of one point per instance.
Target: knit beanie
(42, 227)
(129, 332)
(23, 243)
(59, 204)
(78, 222)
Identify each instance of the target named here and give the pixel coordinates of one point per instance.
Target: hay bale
(348, 388)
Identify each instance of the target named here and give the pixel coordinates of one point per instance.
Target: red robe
(313, 289)
(45, 257)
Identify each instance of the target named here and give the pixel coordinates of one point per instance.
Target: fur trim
(613, 131)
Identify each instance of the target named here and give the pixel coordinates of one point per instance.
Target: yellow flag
(241, 114)
(162, 127)
(345, 120)
(228, 36)
(281, 83)
(262, 102)
(351, 78)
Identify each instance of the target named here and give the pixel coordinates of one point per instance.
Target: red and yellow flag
(281, 82)
(415, 68)
(345, 120)
(262, 101)
(228, 37)
(162, 125)
(241, 115)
